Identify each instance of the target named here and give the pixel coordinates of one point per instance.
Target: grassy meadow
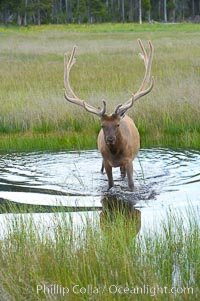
(35, 116)
(107, 262)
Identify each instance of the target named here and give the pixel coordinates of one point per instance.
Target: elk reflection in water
(115, 207)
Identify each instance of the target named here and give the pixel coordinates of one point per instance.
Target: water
(163, 179)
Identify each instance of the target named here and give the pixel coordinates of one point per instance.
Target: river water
(164, 179)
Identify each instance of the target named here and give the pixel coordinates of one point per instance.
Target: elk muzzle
(110, 140)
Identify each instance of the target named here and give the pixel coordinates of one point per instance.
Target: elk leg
(102, 167)
(123, 171)
(129, 170)
(108, 169)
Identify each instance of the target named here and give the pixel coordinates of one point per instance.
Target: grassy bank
(35, 116)
(93, 263)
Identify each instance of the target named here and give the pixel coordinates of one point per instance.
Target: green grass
(34, 114)
(102, 257)
(107, 28)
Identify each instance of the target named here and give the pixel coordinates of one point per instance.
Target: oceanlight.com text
(113, 289)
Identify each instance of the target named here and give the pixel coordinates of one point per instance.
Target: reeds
(106, 261)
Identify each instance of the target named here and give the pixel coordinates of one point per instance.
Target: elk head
(110, 123)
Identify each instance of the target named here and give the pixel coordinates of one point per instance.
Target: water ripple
(162, 176)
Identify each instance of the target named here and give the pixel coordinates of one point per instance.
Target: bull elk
(118, 140)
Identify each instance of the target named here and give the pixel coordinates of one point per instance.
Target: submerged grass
(109, 262)
(34, 114)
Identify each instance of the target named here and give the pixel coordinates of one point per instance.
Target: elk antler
(143, 90)
(70, 95)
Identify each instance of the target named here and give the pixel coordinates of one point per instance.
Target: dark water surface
(164, 179)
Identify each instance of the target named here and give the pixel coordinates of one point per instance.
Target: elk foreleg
(108, 169)
(102, 167)
(129, 169)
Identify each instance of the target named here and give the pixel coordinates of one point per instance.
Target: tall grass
(109, 262)
(108, 66)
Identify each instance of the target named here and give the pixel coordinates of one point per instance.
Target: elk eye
(117, 125)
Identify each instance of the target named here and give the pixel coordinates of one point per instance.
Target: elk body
(118, 140)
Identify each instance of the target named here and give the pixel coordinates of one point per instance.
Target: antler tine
(67, 67)
(147, 63)
(91, 109)
(146, 91)
(121, 110)
(72, 97)
(143, 54)
(143, 90)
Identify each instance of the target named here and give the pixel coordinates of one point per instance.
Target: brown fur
(120, 151)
